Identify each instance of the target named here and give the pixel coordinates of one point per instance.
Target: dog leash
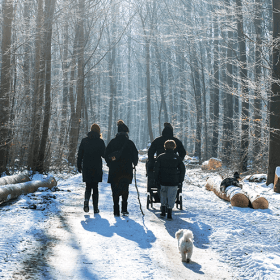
(138, 192)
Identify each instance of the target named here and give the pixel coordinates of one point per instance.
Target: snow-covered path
(63, 242)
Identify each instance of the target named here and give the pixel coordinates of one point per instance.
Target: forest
(210, 68)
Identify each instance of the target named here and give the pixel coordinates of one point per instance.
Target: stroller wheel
(148, 201)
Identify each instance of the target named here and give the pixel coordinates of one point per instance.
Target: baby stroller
(153, 189)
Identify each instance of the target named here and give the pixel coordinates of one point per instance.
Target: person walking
(121, 156)
(89, 162)
(169, 172)
(157, 146)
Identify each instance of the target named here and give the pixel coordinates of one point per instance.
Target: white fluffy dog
(185, 243)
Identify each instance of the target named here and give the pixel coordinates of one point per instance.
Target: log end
(208, 187)
(240, 200)
(260, 203)
(276, 187)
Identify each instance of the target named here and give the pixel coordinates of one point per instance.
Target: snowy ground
(57, 240)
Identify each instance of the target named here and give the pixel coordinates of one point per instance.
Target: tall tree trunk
(72, 82)
(65, 69)
(7, 6)
(75, 123)
(204, 105)
(26, 73)
(49, 11)
(161, 85)
(129, 82)
(257, 98)
(112, 93)
(244, 88)
(216, 93)
(228, 109)
(37, 99)
(197, 95)
(274, 143)
(148, 88)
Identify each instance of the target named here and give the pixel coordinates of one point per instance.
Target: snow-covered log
(233, 194)
(277, 180)
(257, 201)
(14, 179)
(8, 192)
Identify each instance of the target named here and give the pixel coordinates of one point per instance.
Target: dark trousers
(91, 186)
(120, 190)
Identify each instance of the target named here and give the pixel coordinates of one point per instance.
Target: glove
(79, 169)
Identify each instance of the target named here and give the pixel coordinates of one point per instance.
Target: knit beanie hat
(122, 127)
(167, 124)
(95, 128)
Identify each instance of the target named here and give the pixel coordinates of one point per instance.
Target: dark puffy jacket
(91, 149)
(169, 169)
(157, 146)
(121, 168)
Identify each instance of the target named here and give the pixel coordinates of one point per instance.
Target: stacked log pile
(245, 197)
(233, 194)
(14, 179)
(11, 191)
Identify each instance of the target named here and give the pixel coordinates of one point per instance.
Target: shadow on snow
(125, 228)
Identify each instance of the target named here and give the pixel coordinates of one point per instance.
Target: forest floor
(59, 241)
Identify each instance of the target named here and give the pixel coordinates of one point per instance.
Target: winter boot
(116, 210)
(169, 213)
(163, 211)
(86, 207)
(95, 203)
(124, 208)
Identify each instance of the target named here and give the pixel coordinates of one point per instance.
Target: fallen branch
(14, 179)
(12, 191)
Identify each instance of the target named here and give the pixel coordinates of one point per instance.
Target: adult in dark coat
(169, 172)
(157, 146)
(89, 162)
(121, 169)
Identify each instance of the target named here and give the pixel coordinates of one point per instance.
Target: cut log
(14, 179)
(257, 201)
(9, 192)
(233, 194)
(276, 187)
(212, 164)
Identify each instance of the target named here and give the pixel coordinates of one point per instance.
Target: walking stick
(138, 192)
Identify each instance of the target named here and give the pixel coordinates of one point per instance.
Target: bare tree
(274, 142)
(5, 81)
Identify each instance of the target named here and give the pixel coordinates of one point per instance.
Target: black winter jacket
(91, 149)
(169, 169)
(121, 168)
(157, 146)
